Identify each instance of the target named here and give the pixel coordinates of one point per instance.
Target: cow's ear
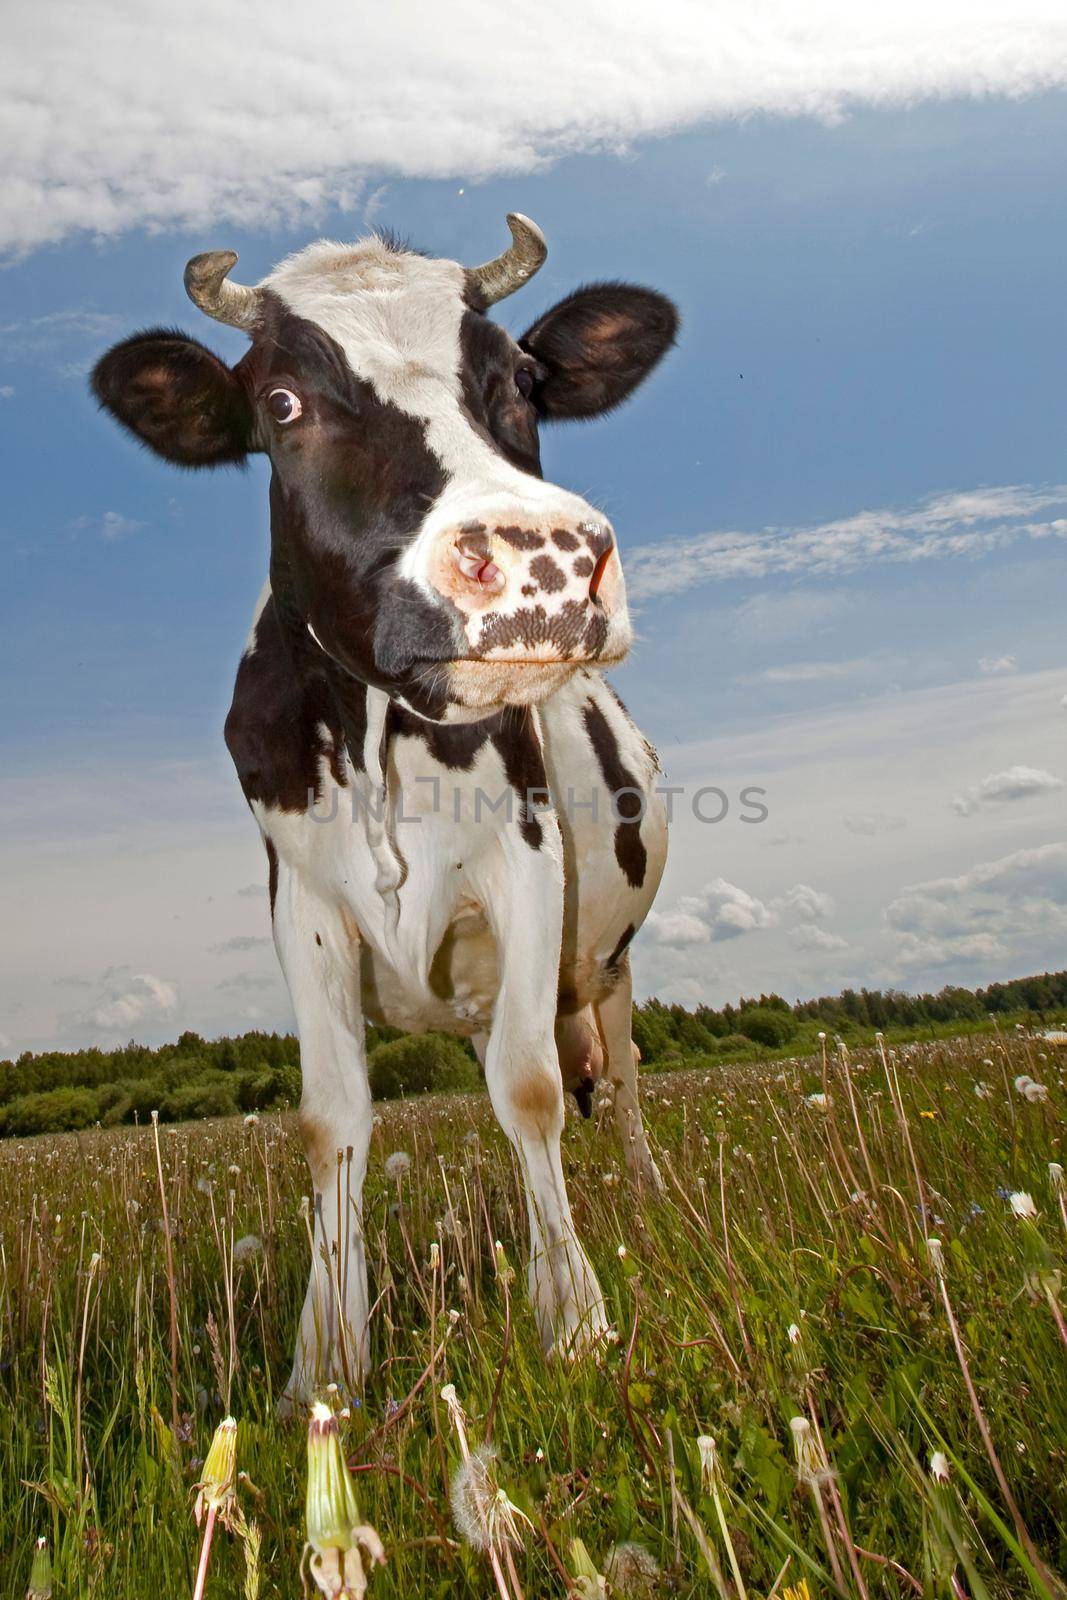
(596, 346)
(177, 397)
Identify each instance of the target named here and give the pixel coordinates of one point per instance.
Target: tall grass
(792, 1350)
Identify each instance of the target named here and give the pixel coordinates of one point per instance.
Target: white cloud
(807, 904)
(917, 955)
(991, 666)
(6, 391)
(721, 910)
(868, 823)
(882, 760)
(810, 937)
(57, 328)
(243, 942)
(1015, 783)
(802, 610)
(196, 125)
(807, 672)
(965, 523)
(677, 928)
(125, 1002)
(111, 525)
(981, 914)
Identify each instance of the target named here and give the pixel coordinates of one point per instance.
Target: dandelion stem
(205, 1552)
(1057, 1314)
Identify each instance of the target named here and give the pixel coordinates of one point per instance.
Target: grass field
(784, 1274)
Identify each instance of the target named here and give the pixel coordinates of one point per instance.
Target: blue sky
(841, 501)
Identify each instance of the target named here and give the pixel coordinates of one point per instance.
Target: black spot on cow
(455, 747)
(596, 632)
(272, 873)
(612, 963)
(282, 702)
(583, 567)
(521, 538)
(519, 749)
(548, 573)
(563, 539)
(628, 805)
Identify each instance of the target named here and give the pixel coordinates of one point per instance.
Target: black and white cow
(423, 672)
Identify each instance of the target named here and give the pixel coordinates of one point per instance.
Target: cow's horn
(208, 287)
(519, 262)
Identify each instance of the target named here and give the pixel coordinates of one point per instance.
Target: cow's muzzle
(542, 595)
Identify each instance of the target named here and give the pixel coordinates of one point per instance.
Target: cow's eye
(524, 382)
(283, 405)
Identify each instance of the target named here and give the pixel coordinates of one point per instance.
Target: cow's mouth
(481, 682)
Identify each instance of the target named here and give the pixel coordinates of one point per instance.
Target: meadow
(840, 1365)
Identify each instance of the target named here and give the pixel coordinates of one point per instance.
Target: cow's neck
(363, 714)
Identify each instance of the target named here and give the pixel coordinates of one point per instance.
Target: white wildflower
(939, 1467)
(1022, 1205)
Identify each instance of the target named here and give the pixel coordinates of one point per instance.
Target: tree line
(52, 1091)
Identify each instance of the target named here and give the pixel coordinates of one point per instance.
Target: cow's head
(412, 532)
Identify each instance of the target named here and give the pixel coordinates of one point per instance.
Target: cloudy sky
(842, 502)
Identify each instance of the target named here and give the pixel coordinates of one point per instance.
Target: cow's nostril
(479, 568)
(598, 572)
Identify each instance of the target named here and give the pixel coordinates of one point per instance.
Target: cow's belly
(460, 987)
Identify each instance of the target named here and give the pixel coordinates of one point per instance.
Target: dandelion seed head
(632, 1571)
(397, 1165)
(249, 1245)
(1022, 1205)
(472, 1492)
(939, 1467)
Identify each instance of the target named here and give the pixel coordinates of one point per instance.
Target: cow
(462, 825)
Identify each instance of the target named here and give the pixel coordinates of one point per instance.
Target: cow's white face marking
(397, 318)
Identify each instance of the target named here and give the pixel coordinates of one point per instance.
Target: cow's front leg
(318, 947)
(523, 1076)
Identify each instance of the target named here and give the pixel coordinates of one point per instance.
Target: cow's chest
(416, 870)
